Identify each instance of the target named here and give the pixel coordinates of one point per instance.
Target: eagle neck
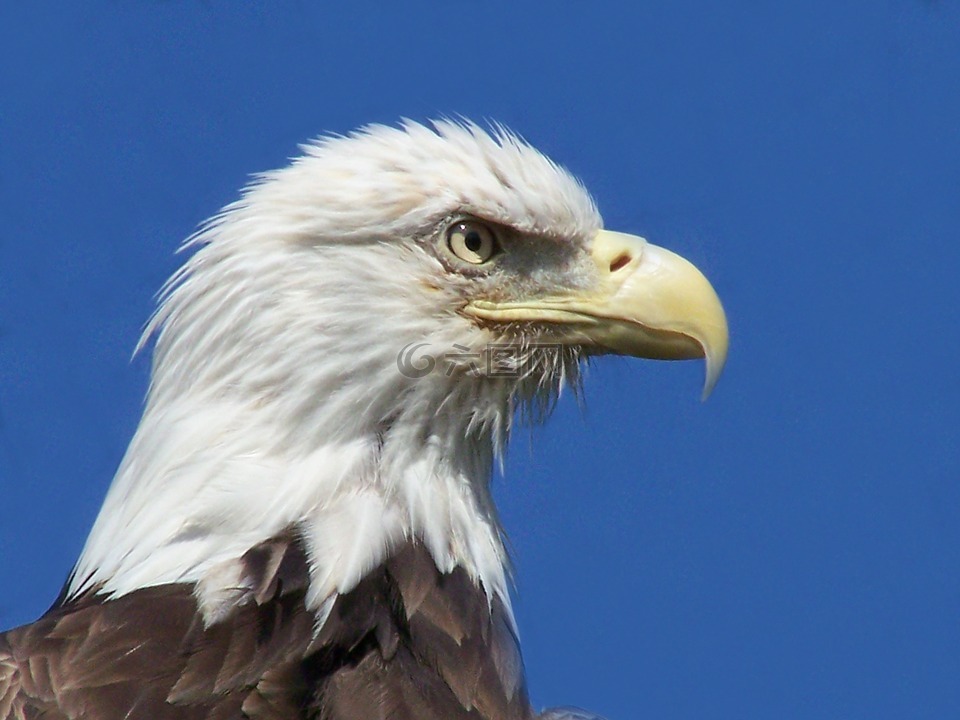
(202, 483)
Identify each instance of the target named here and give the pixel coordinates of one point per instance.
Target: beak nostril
(620, 261)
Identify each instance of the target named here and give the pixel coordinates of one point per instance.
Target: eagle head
(345, 349)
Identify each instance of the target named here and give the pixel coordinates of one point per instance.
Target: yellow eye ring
(472, 242)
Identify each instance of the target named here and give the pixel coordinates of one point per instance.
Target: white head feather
(276, 401)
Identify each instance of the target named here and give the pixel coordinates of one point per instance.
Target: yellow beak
(649, 303)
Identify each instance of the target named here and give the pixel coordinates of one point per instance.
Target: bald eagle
(302, 525)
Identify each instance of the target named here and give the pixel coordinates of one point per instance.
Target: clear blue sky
(790, 549)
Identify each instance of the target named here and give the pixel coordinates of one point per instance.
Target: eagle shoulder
(408, 643)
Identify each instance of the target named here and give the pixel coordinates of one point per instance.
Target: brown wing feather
(409, 643)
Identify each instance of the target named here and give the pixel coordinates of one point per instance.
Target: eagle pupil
(473, 241)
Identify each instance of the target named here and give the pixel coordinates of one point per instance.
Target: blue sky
(789, 549)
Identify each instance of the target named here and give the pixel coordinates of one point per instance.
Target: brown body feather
(409, 643)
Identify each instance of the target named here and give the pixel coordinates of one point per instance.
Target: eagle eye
(472, 241)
